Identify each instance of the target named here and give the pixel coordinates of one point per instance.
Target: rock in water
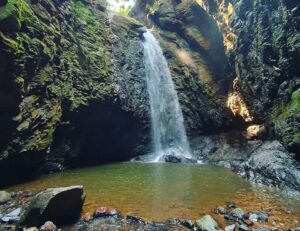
(4, 197)
(207, 223)
(60, 205)
(177, 159)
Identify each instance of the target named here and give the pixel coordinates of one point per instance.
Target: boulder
(207, 223)
(4, 197)
(60, 205)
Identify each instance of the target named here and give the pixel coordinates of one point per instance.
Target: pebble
(87, 217)
(105, 212)
(243, 228)
(48, 226)
(238, 212)
(221, 210)
(230, 227)
(31, 229)
(231, 205)
(12, 216)
(295, 229)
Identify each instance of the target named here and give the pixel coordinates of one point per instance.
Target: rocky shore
(257, 160)
(60, 209)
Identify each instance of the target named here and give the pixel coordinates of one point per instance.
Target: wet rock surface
(60, 97)
(177, 159)
(266, 162)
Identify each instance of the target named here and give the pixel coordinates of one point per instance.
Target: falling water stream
(168, 132)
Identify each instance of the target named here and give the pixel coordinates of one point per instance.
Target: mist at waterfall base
(169, 139)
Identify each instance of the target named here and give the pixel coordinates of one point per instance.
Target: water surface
(159, 191)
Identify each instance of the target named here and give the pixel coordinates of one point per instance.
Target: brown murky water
(160, 191)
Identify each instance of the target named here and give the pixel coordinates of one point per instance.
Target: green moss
(155, 7)
(281, 115)
(87, 16)
(297, 138)
(124, 11)
(295, 103)
(8, 9)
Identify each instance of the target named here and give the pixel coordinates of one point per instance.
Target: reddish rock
(105, 212)
(87, 217)
(48, 226)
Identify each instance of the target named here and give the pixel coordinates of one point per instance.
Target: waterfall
(168, 132)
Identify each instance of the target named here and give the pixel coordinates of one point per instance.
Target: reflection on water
(160, 191)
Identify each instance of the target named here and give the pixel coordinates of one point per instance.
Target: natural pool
(160, 191)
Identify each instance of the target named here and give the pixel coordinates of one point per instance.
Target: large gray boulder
(271, 164)
(59, 205)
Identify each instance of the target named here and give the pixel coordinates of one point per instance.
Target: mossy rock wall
(262, 43)
(58, 92)
(267, 64)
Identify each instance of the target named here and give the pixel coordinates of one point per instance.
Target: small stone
(31, 229)
(187, 223)
(261, 229)
(230, 227)
(4, 197)
(221, 210)
(294, 229)
(243, 228)
(105, 212)
(87, 217)
(248, 222)
(12, 216)
(258, 216)
(48, 226)
(238, 212)
(231, 205)
(207, 223)
(253, 217)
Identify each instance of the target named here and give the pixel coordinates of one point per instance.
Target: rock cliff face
(72, 87)
(264, 38)
(194, 48)
(59, 96)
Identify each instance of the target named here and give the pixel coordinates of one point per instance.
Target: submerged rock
(177, 159)
(60, 205)
(207, 223)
